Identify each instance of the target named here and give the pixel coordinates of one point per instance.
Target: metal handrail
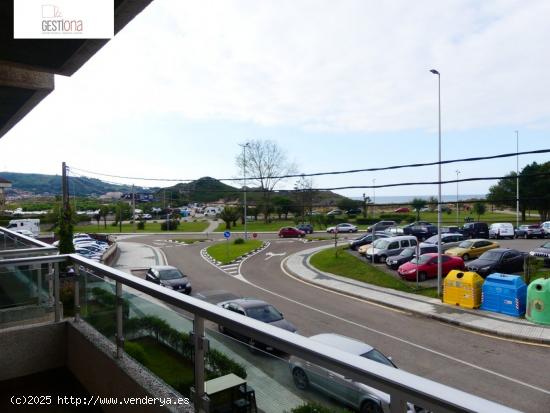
(400, 385)
(34, 246)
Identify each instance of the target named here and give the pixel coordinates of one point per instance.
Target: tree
(304, 196)
(265, 165)
(229, 215)
(417, 204)
(103, 212)
(65, 231)
(479, 209)
(346, 204)
(432, 203)
(283, 205)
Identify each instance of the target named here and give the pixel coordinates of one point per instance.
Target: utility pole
(65, 187)
(244, 146)
(457, 206)
(517, 179)
(133, 208)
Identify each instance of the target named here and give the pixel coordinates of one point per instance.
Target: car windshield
(375, 355)
(465, 244)
(490, 256)
(381, 244)
(423, 259)
(265, 313)
(407, 252)
(170, 274)
(547, 245)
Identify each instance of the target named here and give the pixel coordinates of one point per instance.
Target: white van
(501, 230)
(29, 224)
(386, 247)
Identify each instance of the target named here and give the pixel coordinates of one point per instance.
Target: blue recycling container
(504, 293)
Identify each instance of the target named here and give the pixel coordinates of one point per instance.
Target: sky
(337, 85)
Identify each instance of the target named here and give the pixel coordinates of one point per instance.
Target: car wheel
(370, 406)
(422, 276)
(465, 257)
(300, 378)
(382, 258)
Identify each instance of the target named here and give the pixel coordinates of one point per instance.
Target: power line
(351, 171)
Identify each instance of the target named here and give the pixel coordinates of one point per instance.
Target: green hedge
(136, 351)
(366, 221)
(174, 224)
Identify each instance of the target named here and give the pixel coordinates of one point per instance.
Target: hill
(50, 185)
(207, 189)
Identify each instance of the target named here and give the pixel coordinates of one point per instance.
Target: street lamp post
(373, 195)
(245, 145)
(457, 211)
(517, 179)
(439, 263)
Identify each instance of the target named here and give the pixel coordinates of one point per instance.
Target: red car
(402, 209)
(291, 232)
(427, 266)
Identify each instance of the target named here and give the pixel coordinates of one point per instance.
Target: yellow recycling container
(462, 288)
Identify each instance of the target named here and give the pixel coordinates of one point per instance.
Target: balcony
(117, 338)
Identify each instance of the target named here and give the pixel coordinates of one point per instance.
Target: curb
(494, 332)
(237, 260)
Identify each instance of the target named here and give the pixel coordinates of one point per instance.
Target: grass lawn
(347, 265)
(227, 251)
(198, 226)
(166, 363)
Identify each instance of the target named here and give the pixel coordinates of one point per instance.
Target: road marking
(270, 254)
(419, 346)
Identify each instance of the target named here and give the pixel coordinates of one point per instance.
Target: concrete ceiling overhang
(27, 66)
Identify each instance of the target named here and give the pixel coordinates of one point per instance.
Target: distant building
(111, 195)
(4, 184)
(139, 196)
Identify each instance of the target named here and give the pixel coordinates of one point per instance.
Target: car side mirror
(390, 358)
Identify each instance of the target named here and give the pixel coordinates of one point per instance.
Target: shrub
(136, 351)
(238, 241)
(397, 217)
(141, 225)
(171, 225)
(114, 224)
(365, 221)
(352, 216)
(312, 407)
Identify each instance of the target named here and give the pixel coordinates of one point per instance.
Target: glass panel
(98, 303)
(24, 285)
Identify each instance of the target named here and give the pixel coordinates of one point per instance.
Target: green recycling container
(538, 301)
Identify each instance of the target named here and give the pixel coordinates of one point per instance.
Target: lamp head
(435, 72)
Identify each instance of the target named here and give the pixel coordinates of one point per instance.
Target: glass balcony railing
(13, 244)
(218, 358)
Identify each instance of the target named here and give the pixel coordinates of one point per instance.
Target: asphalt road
(509, 372)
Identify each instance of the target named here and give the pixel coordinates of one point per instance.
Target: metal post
(133, 209)
(200, 344)
(517, 179)
(119, 326)
(246, 145)
(457, 211)
(373, 196)
(439, 262)
(38, 284)
(77, 295)
(56, 302)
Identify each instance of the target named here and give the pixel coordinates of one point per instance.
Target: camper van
(32, 225)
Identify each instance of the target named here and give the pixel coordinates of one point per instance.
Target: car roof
(246, 302)
(400, 237)
(163, 267)
(343, 343)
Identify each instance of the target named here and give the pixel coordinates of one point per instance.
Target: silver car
(356, 395)
(448, 240)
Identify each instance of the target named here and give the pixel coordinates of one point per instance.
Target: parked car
(381, 225)
(88, 254)
(529, 231)
(503, 260)
(291, 232)
(345, 227)
(448, 240)
(355, 395)
(169, 277)
(427, 266)
(501, 230)
(354, 211)
(259, 310)
(544, 252)
(408, 254)
(335, 212)
(472, 248)
(25, 232)
(307, 228)
(452, 229)
(475, 230)
(366, 239)
(420, 231)
(394, 231)
(402, 210)
(387, 247)
(545, 228)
